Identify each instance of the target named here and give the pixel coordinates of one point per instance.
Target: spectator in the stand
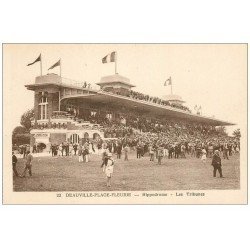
(85, 85)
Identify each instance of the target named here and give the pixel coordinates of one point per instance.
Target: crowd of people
(156, 137)
(126, 124)
(176, 137)
(72, 149)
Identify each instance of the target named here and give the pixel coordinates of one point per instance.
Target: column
(42, 112)
(36, 107)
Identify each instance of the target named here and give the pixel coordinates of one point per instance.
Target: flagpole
(171, 85)
(60, 68)
(41, 71)
(59, 92)
(116, 62)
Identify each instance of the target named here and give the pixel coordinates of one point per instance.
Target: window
(43, 108)
(74, 138)
(79, 91)
(109, 116)
(67, 91)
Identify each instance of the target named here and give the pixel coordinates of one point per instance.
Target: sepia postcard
(125, 123)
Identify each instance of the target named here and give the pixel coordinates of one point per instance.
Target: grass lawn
(67, 174)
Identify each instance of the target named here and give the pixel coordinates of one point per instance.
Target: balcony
(64, 120)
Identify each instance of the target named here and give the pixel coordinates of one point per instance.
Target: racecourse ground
(67, 174)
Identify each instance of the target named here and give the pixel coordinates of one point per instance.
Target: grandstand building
(63, 108)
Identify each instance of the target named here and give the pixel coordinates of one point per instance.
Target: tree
(19, 130)
(222, 130)
(20, 139)
(237, 133)
(20, 135)
(26, 119)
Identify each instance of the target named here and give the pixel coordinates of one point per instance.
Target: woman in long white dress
(109, 168)
(204, 155)
(60, 150)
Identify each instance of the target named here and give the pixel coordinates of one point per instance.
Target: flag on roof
(109, 58)
(37, 60)
(55, 65)
(168, 81)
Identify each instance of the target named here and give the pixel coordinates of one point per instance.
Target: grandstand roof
(149, 107)
(100, 96)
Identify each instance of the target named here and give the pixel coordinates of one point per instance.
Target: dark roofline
(145, 103)
(35, 85)
(168, 110)
(200, 117)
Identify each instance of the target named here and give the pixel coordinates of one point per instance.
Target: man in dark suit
(216, 163)
(170, 151)
(28, 164)
(138, 151)
(177, 151)
(67, 149)
(75, 148)
(119, 151)
(14, 161)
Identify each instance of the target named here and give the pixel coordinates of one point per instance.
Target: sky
(213, 76)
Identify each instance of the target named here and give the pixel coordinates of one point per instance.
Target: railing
(130, 97)
(64, 121)
(78, 84)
